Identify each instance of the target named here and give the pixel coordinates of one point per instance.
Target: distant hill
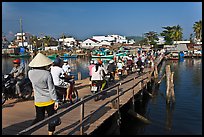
(136, 38)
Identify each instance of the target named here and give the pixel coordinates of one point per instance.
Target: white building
(131, 41)
(119, 39)
(107, 43)
(70, 42)
(181, 42)
(23, 39)
(104, 38)
(90, 43)
(52, 48)
(161, 40)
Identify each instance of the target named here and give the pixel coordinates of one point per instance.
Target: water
(77, 65)
(184, 117)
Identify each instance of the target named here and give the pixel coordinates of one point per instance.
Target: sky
(84, 19)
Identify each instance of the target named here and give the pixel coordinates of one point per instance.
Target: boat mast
(21, 30)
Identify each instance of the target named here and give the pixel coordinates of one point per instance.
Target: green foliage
(171, 34)
(197, 28)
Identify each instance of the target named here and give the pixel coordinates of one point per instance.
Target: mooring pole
(168, 74)
(172, 87)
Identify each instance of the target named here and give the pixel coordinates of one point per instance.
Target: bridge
(83, 117)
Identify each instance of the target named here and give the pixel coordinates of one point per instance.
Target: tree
(176, 33)
(35, 42)
(151, 37)
(197, 28)
(172, 33)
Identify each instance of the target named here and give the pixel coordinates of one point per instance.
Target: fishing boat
(23, 55)
(69, 56)
(174, 55)
(53, 56)
(102, 54)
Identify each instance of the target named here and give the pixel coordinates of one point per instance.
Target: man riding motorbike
(111, 70)
(17, 73)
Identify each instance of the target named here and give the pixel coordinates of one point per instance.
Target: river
(184, 117)
(77, 65)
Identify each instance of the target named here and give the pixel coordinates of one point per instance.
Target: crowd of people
(125, 64)
(47, 77)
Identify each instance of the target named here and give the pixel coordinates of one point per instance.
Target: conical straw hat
(40, 60)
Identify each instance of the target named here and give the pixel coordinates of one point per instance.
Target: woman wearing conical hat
(45, 96)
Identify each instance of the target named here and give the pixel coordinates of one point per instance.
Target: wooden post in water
(172, 87)
(79, 75)
(168, 74)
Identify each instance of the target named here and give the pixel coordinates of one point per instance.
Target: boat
(102, 54)
(53, 56)
(69, 56)
(23, 55)
(174, 55)
(107, 54)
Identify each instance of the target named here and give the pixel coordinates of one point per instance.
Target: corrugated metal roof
(181, 47)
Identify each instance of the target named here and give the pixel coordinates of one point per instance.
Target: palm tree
(166, 33)
(197, 26)
(176, 33)
(172, 33)
(47, 40)
(34, 41)
(151, 37)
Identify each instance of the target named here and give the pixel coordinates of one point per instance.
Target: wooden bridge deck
(17, 116)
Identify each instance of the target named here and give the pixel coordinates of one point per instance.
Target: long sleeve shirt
(44, 89)
(18, 72)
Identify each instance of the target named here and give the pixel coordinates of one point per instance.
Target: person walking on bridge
(45, 96)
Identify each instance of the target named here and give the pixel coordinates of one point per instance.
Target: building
(104, 38)
(181, 42)
(90, 43)
(22, 39)
(69, 42)
(119, 39)
(161, 40)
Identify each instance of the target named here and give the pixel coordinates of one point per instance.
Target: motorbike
(139, 69)
(61, 92)
(96, 86)
(9, 89)
(120, 73)
(129, 69)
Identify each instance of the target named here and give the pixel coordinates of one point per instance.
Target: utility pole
(42, 41)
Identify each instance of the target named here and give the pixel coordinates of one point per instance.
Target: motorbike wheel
(3, 98)
(27, 92)
(75, 94)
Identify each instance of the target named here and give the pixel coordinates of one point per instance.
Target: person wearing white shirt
(56, 72)
(66, 67)
(98, 73)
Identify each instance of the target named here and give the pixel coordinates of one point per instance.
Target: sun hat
(40, 60)
(65, 60)
(92, 62)
(111, 61)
